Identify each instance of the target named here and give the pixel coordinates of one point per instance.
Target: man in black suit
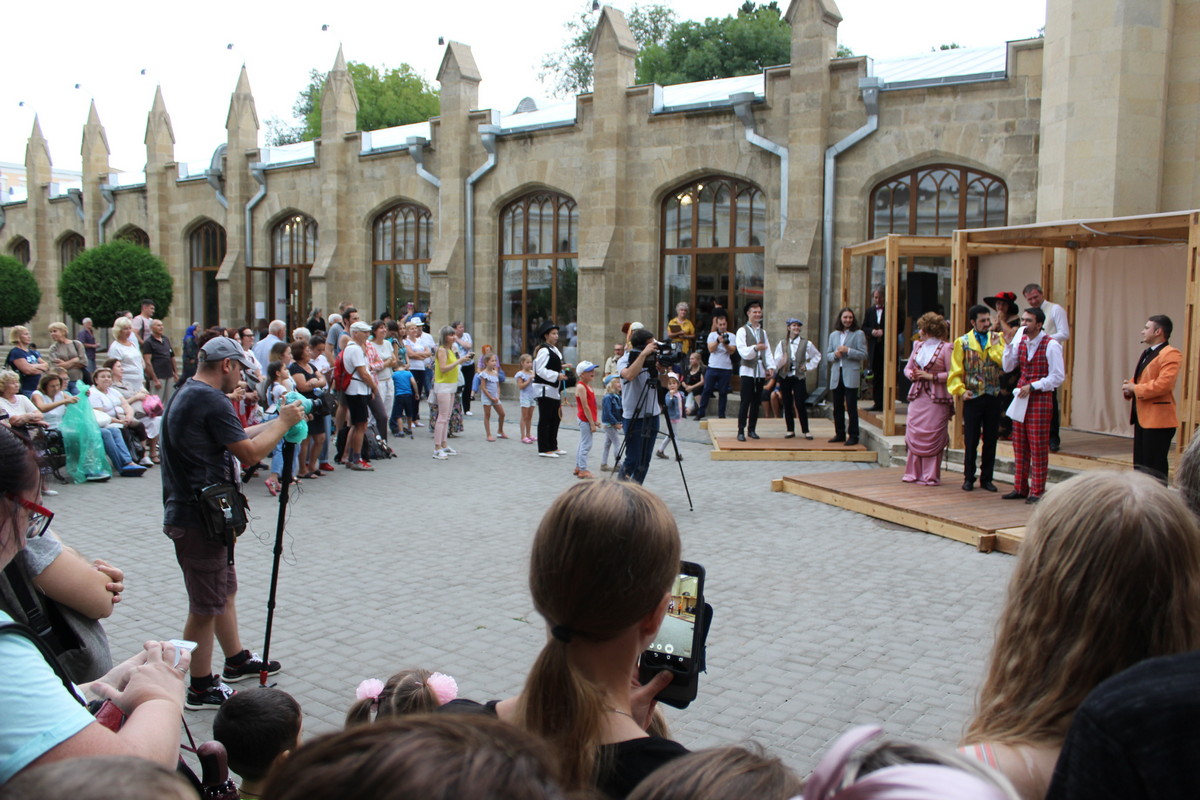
(873, 325)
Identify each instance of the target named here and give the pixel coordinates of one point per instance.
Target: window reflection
(400, 258)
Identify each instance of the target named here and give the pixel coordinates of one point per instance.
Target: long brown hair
(603, 559)
(1109, 575)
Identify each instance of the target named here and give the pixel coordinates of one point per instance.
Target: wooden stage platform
(1087, 450)
(773, 447)
(978, 518)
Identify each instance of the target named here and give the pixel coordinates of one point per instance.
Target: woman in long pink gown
(930, 406)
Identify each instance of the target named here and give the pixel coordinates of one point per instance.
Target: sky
(58, 57)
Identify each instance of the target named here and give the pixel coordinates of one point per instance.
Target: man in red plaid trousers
(1041, 361)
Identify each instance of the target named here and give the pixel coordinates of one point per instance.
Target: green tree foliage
(113, 277)
(386, 98)
(678, 52)
(950, 46)
(19, 292)
(844, 52)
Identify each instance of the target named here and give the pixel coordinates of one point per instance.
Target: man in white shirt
(758, 365)
(275, 334)
(464, 345)
(721, 347)
(141, 323)
(358, 394)
(1041, 360)
(1057, 328)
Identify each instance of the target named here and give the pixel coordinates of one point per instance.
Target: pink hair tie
(370, 689)
(444, 687)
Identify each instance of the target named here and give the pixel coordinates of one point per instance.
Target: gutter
(870, 93)
(487, 135)
(215, 173)
(415, 145)
(76, 198)
(106, 191)
(741, 107)
(258, 172)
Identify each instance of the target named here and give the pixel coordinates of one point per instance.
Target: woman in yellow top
(445, 386)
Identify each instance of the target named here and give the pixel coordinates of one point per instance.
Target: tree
(844, 52)
(678, 52)
(113, 277)
(19, 293)
(569, 70)
(386, 98)
(951, 46)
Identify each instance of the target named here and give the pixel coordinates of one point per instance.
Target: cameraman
(640, 403)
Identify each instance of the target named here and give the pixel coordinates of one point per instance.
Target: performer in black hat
(548, 374)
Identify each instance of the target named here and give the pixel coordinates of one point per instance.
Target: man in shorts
(201, 437)
(358, 395)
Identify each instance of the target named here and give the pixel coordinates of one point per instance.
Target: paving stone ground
(823, 618)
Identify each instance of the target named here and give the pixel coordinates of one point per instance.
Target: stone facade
(1065, 141)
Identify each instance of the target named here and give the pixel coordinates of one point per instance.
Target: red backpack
(341, 378)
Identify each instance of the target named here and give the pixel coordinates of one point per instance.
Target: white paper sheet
(1016, 409)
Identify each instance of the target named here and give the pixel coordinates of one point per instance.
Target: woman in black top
(308, 380)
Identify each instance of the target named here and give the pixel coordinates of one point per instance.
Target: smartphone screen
(675, 646)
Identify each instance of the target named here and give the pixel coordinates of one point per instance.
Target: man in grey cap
(202, 442)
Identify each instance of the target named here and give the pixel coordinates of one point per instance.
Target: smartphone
(180, 646)
(679, 644)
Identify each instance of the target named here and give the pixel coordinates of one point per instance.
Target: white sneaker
(440, 455)
(146, 462)
(470, 413)
(450, 451)
(561, 452)
(548, 455)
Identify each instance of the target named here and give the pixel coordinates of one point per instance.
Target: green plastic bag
(81, 436)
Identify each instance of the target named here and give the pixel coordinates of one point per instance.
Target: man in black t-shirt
(201, 437)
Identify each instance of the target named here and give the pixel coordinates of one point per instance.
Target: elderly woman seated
(110, 404)
(52, 401)
(143, 429)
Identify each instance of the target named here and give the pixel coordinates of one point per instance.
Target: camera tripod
(652, 383)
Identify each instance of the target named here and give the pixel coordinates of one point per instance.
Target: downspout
(258, 172)
(215, 173)
(741, 107)
(870, 93)
(110, 208)
(416, 150)
(487, 135)
(76, 198)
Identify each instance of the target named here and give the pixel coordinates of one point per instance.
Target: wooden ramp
(865, 414)
(978, 518)
(771, 446)
(1088, 450)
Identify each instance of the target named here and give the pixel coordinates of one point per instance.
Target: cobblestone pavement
(823, 618)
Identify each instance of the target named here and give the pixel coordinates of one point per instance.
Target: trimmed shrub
(115, 276)
(19, 292)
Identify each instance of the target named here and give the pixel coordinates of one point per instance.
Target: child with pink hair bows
(410, 691)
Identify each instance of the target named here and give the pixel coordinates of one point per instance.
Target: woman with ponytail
(603, 561)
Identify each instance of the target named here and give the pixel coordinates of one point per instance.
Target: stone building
(614, 206)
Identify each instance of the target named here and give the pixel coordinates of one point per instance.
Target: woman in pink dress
(929, 404)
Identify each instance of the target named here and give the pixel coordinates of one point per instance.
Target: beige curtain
(1008, 272)
(1117, 289)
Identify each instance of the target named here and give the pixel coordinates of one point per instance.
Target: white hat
(584, 366)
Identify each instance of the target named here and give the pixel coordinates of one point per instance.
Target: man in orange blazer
(1152, 390)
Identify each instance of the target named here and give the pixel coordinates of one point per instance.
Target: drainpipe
(216, 172)
(741, 107)
(110, 202)
(76, 198)
(258, 172)
(416, 149)
(870, 93)
(487, 135)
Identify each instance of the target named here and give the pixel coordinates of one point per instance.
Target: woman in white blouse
(794, 357)
(126, 349)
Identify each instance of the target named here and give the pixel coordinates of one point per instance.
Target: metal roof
(962, 65)
(393, 138)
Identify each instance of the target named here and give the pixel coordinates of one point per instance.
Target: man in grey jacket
(845, 352)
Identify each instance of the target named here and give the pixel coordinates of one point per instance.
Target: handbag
(223, 509)
(78, 642)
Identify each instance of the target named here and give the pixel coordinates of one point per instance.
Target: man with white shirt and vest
(1041, 360)
(794, 357)
(976, 367)
(1152, 390)
(1058, 329)
(758, 365)
(548, 373)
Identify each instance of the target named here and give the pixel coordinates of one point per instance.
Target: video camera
(669, 354)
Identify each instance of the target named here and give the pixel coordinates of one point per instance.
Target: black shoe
(1055, 446)
(1013, 495)
(1033, 498)
(853, 440)
(752, 434)
(741, 436)
(988, 486)
(790, 435)
(210, 699)
(838, 438)
(969, 486)
(250, 668)
(875, 408)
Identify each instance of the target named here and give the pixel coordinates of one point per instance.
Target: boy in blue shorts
(404, 406)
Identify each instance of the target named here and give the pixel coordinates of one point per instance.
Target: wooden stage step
(771, 446)
(1088, 450)
(978, 518)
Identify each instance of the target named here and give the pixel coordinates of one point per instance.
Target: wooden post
(845, 277)
(959, 267)
(1190, 395)
(1064, 406)
(1048, 272)
(890, 328)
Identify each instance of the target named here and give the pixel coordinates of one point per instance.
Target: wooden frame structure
(894, 247)
(1071, 236)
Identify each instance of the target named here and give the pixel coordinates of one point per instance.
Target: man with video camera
(640, 403)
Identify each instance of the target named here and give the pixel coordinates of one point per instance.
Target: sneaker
(561, 452)
(605, 468)
(548, 455)
(360, 466)
(418, 424)
(97, 477)
(450, 451)
(660, 454)
(327, 467)
(49, 493)
(211, 698)
(250, 668)
(146, 462)
(440, 455)
(469, 413)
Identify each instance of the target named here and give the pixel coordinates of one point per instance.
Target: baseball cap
(360, 327)
(220, 348)
(609, 378)
(584, 366)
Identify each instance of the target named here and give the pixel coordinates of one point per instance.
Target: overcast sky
(48, 48)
